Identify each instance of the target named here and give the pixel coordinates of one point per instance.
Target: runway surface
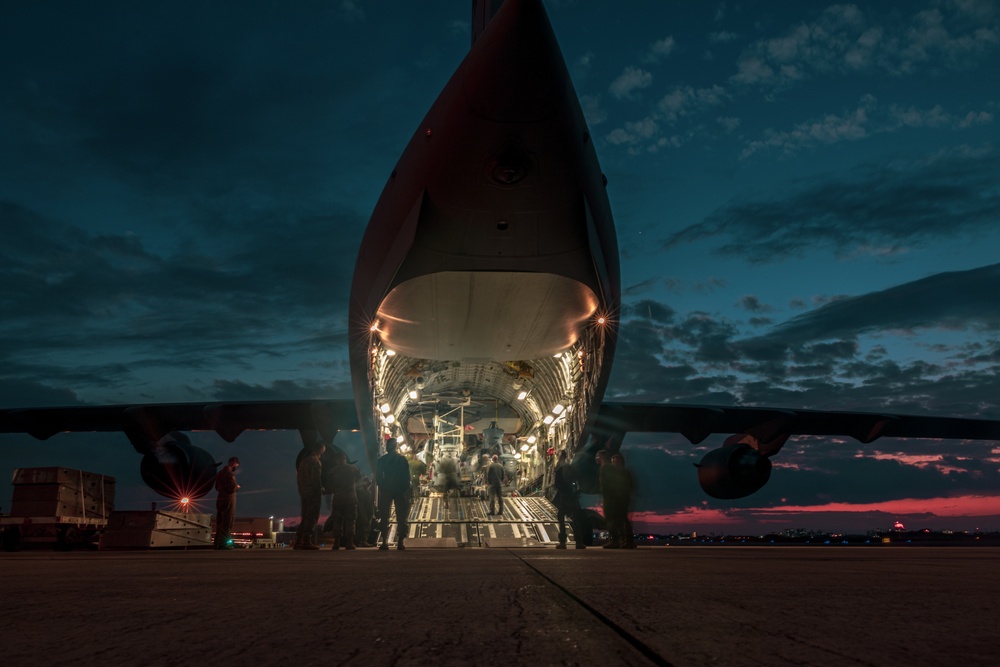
(540, 606)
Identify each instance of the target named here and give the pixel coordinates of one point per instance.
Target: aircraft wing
(774, 425)
(741, 466)
(147, 423)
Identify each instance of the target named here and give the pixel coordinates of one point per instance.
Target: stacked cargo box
(57, 506)
(157, 530)
(62, 492)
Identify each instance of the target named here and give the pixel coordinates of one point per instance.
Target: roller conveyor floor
(524, 522)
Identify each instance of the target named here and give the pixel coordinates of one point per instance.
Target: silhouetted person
(225, 503)
(494, 482)
(447, 473)
(626, 488)
(310, 481)
(392, 475)
(417, 469)
(366, 511)
(616, 489)
(610, 499)
(342, 482)
(567, 501)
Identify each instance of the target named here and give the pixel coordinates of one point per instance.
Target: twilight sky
(807, 198)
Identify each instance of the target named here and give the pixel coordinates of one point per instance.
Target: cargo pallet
(57, 507)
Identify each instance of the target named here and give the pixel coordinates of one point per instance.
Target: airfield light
(531, 439)
(548, 419)
(523, 395)
(558, 409)
(385, 407)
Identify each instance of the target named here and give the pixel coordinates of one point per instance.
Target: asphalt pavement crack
(631, 639)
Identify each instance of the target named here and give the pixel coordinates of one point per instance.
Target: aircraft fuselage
(491, 249)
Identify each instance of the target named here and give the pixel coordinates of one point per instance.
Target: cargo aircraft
(487, 290)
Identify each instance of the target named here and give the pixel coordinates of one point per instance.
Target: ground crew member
(392, 476)
(610, 499)
(567, 501)
(494, 479)
(225, 503)
(343, 480)
(310, 481)
(366, 509)
(625, 490)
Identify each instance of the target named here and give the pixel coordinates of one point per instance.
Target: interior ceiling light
(391, 353)
(523, 395)
(524, 448)
(414, 394)
(389, 419)
(384, 408)
(531, 439)
(548, 419)
(558, 409)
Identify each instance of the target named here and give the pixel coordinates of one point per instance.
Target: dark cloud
(817, 360)
(653, 310)
(183, 191)
(877, 209)
(639, 288)
(273, 288)
(225, 390)
(957, 299)
(18, 393)
(848, 40)
(205, 99)
(752, 304)
(708, 336)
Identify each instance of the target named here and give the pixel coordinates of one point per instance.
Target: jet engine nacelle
(733, 471)
(175, 468)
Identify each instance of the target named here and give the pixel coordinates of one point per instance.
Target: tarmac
(718, 605)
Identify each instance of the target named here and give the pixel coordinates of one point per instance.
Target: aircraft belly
(500, 316)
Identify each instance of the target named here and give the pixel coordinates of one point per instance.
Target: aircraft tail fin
(482, 12)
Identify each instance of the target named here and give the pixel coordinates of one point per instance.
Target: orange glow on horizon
(965, 506)
(697, 518)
